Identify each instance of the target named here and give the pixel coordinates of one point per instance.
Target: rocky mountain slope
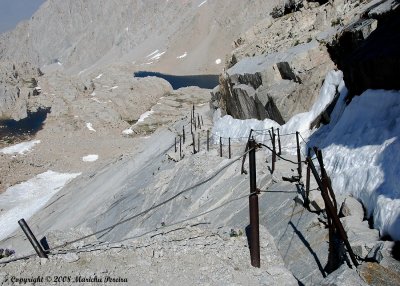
(279, 65)
(77, 35)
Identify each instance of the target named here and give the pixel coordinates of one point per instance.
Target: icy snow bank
(235, 128)
(90, 158)
(229, 127)
(362, 155)
(361, 146)
(23, 200)
(145, 115)
(20, 148)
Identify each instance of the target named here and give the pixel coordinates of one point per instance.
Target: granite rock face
(368, 50)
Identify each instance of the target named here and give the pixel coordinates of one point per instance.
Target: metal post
(208, 140)
(198, 142)
(298, 155)
(273, 160)
(331, 212)
(220, 146)
(307, 200)
(194, 119)
(279, 143)
(180, 147)
(175, 145)
(198, 120)
(230, 155)
(191, 122)
(253, 203)
(183, 134)
(243, 171)
(202, 122)
(32, 239)
(194, 144)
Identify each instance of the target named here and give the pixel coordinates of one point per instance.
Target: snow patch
(153, 53)
(218, 61)
(20, 148)
(25, 199)
(99, 76)
(114, 87)
(90, 127)
(90, 158)
(145, 115)
(182, 56)
(157, 56)
(128, 131)
(202, 3)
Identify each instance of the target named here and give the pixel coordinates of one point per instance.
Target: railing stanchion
(253, 204)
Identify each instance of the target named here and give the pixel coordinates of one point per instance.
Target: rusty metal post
(331, 212)
(307, 200)
(273, 146)
(279, 143)
(273, 159)
(175, 145)
(194, 119)
(253, 204)
(220, 146)
(194, 144)
(208, 140)
(324, 175)
(180, 147)
(298, 155)
(183, 134)
(198, 142)
(230, 154)
(191, 122)
(243, 171)
(198, 120)
(32, 239)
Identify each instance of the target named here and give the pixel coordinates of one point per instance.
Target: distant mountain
(173, 36)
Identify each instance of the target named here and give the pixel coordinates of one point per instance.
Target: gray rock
(376, 252)
(344, 276)
(352, 207)
(383, 8)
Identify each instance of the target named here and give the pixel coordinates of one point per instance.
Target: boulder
(362, 238)
(344, 276)
(352, 207)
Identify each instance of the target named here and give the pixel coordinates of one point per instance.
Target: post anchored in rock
(180, 147)
(175, 145)
(32, 239)
(208, 140)
(279, 143)
(253, 204)
(299, 170)
(330, 210)
(307, 195)
(230, 155)
(183, 134)
(220, 146)
(198, 121)
(194, 144)
(191, 122)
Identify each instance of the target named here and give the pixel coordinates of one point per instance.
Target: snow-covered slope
(360, 146)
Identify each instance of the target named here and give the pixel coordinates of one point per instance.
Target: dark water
(178, 81)
(11, 130)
